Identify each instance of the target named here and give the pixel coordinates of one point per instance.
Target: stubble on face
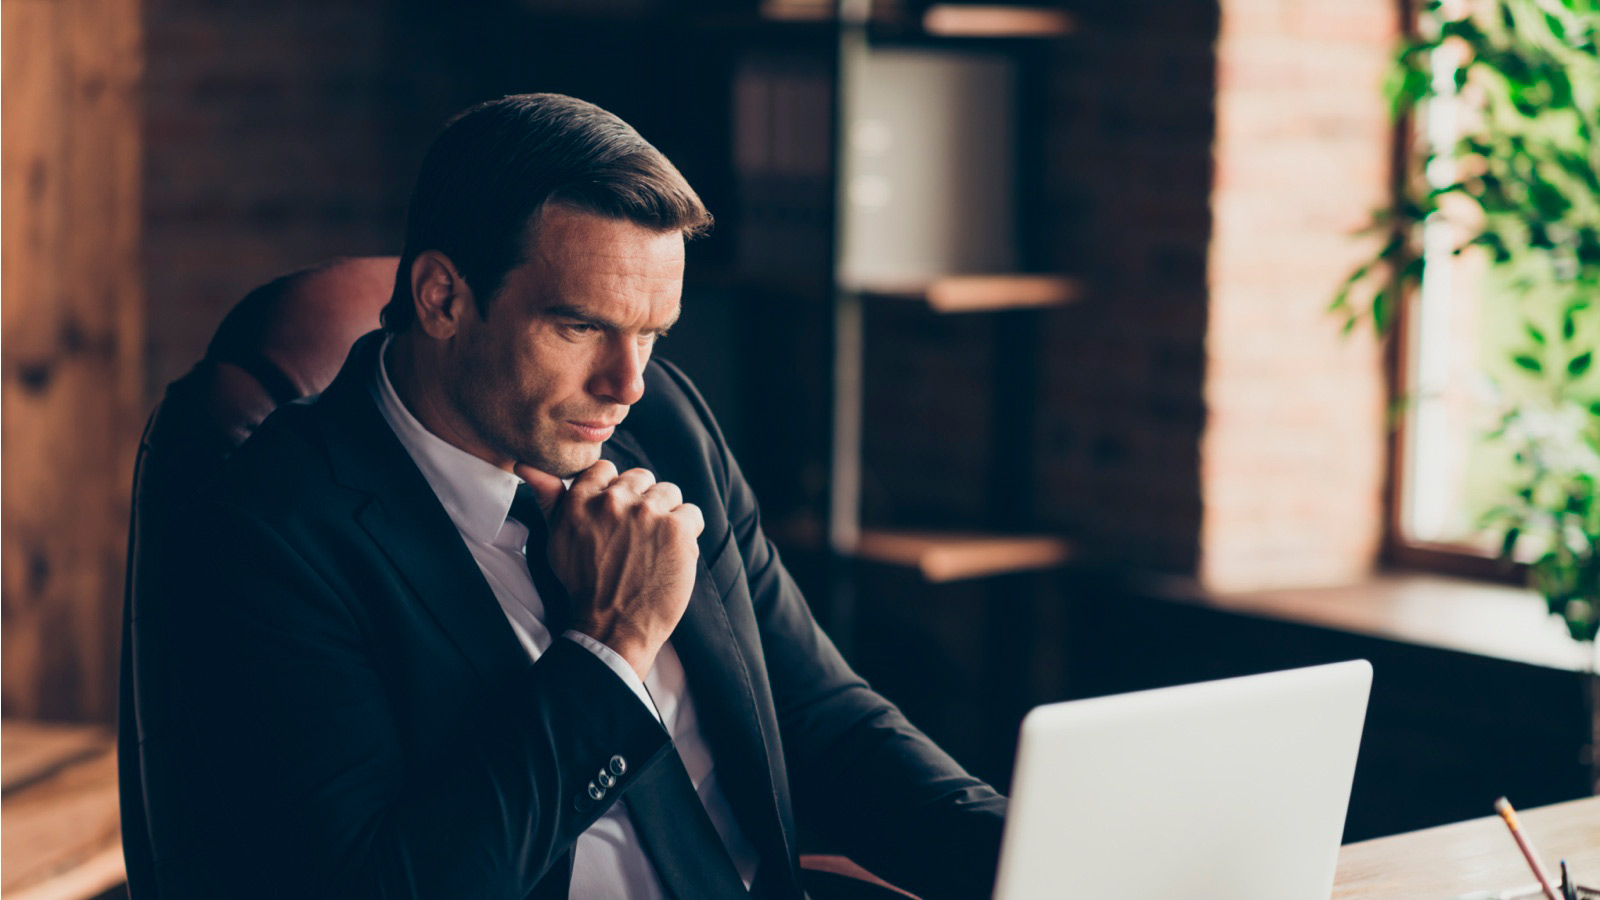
(526, 370)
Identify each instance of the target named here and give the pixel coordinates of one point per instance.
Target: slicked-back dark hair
(496, 165)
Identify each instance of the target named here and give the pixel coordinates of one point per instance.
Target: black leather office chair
(284, 341)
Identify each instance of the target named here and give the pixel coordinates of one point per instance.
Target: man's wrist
(623, 641)
(624, 669)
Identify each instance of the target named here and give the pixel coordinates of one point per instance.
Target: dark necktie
(688, 853)
(557, 604)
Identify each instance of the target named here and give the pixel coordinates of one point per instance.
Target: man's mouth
(593, 431)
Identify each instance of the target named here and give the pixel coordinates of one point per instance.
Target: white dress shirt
(609, 860)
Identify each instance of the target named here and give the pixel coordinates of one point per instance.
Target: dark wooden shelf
(940, 20)
(939, 555)
(982, 293)
(971, 20)
(953, 556)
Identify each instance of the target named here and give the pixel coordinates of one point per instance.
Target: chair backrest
(284, 341)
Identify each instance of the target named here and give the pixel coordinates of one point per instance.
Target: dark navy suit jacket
(330, 701)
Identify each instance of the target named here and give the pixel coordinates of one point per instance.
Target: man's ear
(439, 295)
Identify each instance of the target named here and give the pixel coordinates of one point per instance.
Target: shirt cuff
(617, 664)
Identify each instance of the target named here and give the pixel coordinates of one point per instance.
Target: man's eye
(582, 327)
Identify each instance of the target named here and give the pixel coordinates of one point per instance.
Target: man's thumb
(547, 488)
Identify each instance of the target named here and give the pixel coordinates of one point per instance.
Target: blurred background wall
(1198, 166)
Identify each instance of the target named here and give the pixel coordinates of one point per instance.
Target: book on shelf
(782, 109)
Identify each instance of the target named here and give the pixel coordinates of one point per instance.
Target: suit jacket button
(618, 765)
(595, 792)
(582, 803)
(606, 779)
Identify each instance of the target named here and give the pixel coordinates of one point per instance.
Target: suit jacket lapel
(719, 676)
(407, 522)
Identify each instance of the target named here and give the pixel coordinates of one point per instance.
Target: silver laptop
(1234, 790)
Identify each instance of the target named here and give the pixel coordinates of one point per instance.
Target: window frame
(1398, 551)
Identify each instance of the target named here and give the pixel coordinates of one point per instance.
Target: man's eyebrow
(580, 315)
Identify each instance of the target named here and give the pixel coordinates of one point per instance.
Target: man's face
(553, 367)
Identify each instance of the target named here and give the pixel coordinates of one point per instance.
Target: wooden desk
(1476, 855)
(61, 838)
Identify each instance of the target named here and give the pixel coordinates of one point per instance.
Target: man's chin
(568, 461)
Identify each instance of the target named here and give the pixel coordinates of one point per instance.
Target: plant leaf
(1580, 364)
(1529, 362)
(1508, 544)
(1556, 26)
(1569, 317)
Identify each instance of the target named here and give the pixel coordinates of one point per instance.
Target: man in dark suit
(494, 616)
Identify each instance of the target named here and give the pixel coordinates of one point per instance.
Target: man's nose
(620, 377)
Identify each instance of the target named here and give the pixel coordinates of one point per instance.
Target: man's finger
(547, 488)
(690, 519)
(595, 479)
(636, 480)
(664, 496)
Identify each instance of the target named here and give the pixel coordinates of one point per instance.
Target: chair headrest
(294, 333)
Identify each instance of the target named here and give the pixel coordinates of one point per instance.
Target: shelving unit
(845, 117)
(939, 556)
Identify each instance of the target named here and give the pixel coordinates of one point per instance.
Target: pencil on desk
(1503, 807)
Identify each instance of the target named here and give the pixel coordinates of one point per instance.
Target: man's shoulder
(672, 418)
(283, 468)
(671, 403)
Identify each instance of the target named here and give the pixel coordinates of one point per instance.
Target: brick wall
(278, 135)
(1129, 149)
(1292, 458)
(1202, 414)
(928, 408)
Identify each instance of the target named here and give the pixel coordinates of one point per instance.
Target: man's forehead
(607, 269)
(559, 233)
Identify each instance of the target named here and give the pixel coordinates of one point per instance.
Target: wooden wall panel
(70, 374)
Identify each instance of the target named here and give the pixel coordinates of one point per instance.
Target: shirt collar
(476, 495)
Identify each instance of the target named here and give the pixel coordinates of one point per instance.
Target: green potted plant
(1519, 178)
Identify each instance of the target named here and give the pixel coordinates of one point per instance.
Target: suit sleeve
(271, 758)
(858, 770)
